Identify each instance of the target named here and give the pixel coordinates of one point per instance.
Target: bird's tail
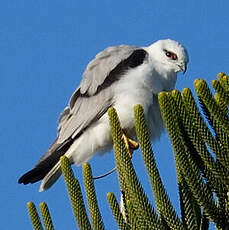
(48, 168)
(51, 177)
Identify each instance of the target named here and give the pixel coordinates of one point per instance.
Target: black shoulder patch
(134, 60)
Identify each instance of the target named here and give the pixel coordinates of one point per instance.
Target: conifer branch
(202, 166)
(75, 195)
(46, 216)
(116, 212)
(205, 134)
(142, 207)
(35, 219)
(190, 210)
(196, 143)
(205, 95)
(162, 200)
(189, 168)
(96, 218)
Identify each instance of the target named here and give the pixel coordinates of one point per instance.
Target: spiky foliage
(145, 213)
(75, 195)
(200, 141)
(116, 212)
(96, 218)
(163, 203)
(201, 158)
(46, 216)
(35, 219)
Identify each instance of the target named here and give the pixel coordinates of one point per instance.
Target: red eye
(171, 55)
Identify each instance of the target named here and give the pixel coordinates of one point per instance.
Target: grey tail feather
(50, 178)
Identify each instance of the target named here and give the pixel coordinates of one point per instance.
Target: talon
(131, 145)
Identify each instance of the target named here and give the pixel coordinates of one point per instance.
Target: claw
(131, 145)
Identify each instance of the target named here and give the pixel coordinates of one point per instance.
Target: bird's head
(170, 54)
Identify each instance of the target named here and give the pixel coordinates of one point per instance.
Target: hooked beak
(183, 67)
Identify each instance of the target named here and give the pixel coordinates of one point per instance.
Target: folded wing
(88, 103)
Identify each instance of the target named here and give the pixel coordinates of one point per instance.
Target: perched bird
(120, 76)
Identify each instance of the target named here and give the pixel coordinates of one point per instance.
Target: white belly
(136, 87)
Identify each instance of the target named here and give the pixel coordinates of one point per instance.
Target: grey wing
(84, 112)
(94, 95)
(101, 66)
(88, 103)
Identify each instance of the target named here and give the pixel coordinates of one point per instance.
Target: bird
(120, 77)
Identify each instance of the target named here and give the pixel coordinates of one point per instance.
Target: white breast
(141, 86)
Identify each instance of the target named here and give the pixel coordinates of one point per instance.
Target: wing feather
(88, 103)
(85, 111)
(101, 66)
(94, 95)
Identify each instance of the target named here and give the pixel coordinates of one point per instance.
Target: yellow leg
(131, 145)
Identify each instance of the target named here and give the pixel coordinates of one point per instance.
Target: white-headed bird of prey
(121, 77)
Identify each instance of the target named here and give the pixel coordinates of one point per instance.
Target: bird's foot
(131, 145)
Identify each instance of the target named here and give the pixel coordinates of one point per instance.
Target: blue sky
(44, 48)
